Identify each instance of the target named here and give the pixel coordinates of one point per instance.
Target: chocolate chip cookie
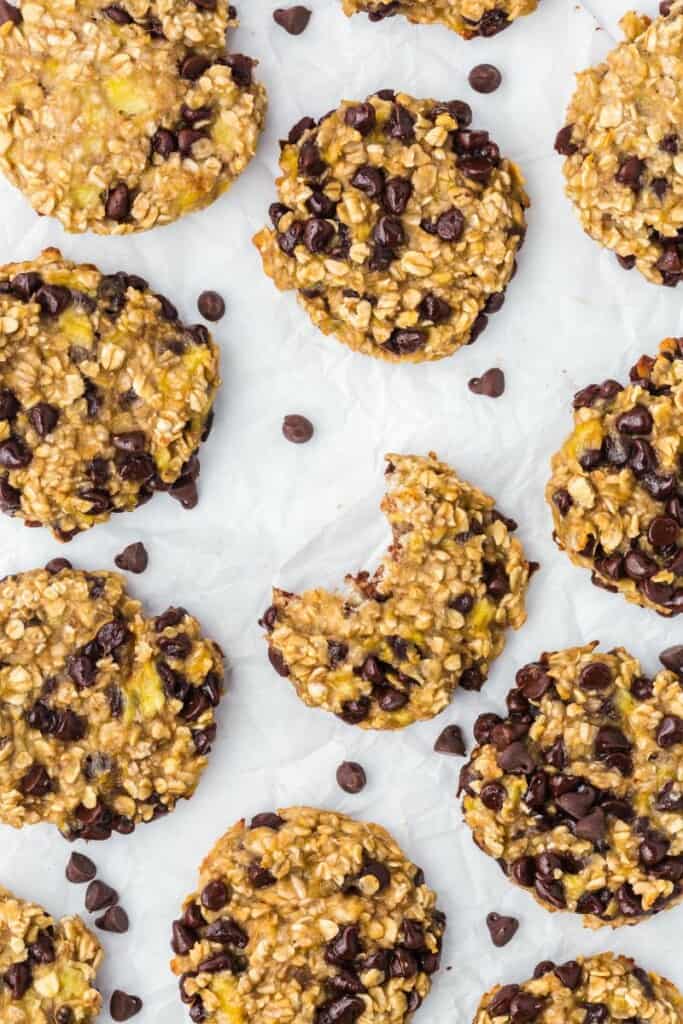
(118, 117)
(602, 989)
(433, 616)
(397, 224)
(616, 484)
(47, 967)
(469, 18)
(621, 140)
(106, 716)
(576, 792)
(307, 917)
(104, 395)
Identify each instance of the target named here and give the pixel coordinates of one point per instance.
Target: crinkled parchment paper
(303, 515)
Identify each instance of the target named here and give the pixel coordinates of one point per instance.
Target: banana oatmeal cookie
(47, 967)
(577, 792)
(617, 482)
(104, 395)
(106, 717)
(397, 224)
(117, 117)
(433, 615)
(307, 917)
(621, 141)
(469, 18)
(602, 989)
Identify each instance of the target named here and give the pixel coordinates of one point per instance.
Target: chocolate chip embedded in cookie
(161, 123)
(47, 966)
(107, 716)
(105, 396)
(621, 144)
(616, 483)
(433, 616)
(397, 224)
(595, 990)
(470, 18)
(307, 916)
(576, 792)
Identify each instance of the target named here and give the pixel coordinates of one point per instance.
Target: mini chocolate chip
(215, 895)
(485, 78)
(450, 741)
(118, 203)
(297, 429)
(491, 383)
(99, 895)
(115, 919)
(351, 776)
(133, 558)
(123, 1006)
(211, 305)
(292, 19)
(80, 869)
(501, 928)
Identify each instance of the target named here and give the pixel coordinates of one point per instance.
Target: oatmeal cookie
(469, 18)
(307, 917)
(118, 117)
(602, 989)
(616, 483)
(397, 224)
(104, 395)
(47, 967)
(577, 792)
(106, 717)
(621, 141)
(433, 615)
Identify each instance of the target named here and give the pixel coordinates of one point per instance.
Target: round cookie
(118, 117)
(106, 716)
(621, 140)
(311, 917)
(47, 967)
(397, 224)
(469, 18)
(577, 792)
(616, 484)
(104, 395)
(602, 989)
(392, 650)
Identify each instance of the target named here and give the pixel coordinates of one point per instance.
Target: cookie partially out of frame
(117, 117)
(576, 792)
(397, 224)
(307, 917)
(433, 616)
(469, 18)
(602, 989)
(616, 484)
(621, 141)
(107, 716)
(105, 396)
(47, 966)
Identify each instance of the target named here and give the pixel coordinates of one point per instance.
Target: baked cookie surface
(615, 485)
(603, 988)
(469, 18)
(106, 717)
(621, 140)
(576, 792)
(397, 224)
(48, 967)
(433, 616)
(104, 395)
(118, 117)
(311, 917)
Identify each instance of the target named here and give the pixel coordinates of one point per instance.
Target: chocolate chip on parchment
(450, 741)
(123, 1006)
(351, 776)
(297, 429)
(491, 384)
(211, 305)
(292, 19)
(133, 558)
(485, 78)
(99, 895)
(80, 869)
(115, 919)
(501, 928)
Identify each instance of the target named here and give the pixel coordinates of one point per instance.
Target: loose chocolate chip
(297, 429)
(491, 383)
(80, 869)
(215, 895)
(501, 928)
(672, 658)
(115, 919)
(123, 1006)
(18, 979)
(133, 558)
(362, 117)
(211, 305)
(450, 741)
(99, 895)
(485, 78)
(637, 420)
(669, 731)
(351, 776)
(563, 141)
(194, 66)
(292, 19)
(570, 974)
(118, 203)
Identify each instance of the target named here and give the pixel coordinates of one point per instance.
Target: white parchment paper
(305, 515)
